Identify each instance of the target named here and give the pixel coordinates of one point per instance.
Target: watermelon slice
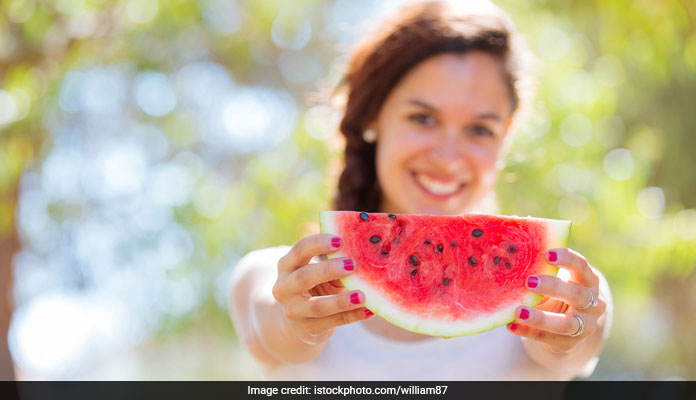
(445, 275)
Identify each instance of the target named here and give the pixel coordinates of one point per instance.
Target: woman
(427, 122)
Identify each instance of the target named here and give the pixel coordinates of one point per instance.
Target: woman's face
(440, 133)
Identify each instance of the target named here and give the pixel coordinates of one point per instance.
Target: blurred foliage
(155, 142)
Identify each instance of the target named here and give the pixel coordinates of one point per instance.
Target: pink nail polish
(553, 256)
(355, 298)
(524, 313)
(348, 264)
(513, 327)
(369, 313)
(532, 282)
(336, 242)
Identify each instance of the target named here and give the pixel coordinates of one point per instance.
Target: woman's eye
(422, 119)
(481, 130)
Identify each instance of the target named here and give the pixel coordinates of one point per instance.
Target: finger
(306, 248)
(311, 275)
(560, 343)
(572, 293)
(337, 284)
(323, 306)
(574, 262)
(553, 305)
(318, 325)
(561, 324)
(326, 289)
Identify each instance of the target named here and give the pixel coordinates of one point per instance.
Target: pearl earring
(369, 135)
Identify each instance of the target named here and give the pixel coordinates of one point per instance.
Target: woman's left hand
(569, 312)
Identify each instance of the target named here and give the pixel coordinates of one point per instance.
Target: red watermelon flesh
(445, 275)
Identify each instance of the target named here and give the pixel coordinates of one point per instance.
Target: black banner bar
(575, 390)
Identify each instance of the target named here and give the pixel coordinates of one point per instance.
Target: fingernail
(524, 313)
(513, 327)
(336, 242)
(348, 264)
(532, 282)
(355, 298)
(369, 313)
(553, 256)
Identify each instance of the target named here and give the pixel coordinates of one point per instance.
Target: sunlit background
(145, 146)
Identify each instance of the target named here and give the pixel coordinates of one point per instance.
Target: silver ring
(581, 326)
(591, 303)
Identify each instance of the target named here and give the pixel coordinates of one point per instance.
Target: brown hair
(377, 64)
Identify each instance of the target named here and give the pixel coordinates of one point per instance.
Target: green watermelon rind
(557, 237)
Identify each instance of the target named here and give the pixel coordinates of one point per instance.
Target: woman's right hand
(312, 299)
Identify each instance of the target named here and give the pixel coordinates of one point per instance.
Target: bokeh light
(154, 94)
(618, 164)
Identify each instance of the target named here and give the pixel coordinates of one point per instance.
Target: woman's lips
(441, 189)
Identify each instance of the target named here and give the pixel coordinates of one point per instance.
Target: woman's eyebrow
(489, 115)
(486, 115)
(423, 104)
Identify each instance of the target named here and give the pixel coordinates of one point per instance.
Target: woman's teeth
(437, 187)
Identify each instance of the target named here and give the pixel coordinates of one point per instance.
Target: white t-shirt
(355, 353)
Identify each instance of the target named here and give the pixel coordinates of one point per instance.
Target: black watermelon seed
(496, 260)
(512, 249)
(414, 272)
(392, 216)
(363, 216)
(427, 242)
(472, 261)
(375, 239)
(508, 265)
(453, 244)
(414, 260)
(386, 247)
(439, 248)
(477, 233)
(446, 281)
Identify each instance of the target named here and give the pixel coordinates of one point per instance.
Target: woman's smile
(437, 186)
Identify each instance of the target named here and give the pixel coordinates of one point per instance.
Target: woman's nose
(447, 153)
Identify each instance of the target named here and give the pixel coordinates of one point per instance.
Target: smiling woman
(429, 108)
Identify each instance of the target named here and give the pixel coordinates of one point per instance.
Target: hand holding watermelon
(570, 312)
(313, 300)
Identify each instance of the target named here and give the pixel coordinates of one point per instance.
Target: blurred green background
(146, 145)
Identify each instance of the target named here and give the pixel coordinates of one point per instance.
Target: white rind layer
(376, 301)
(384, 307)
(327, 222)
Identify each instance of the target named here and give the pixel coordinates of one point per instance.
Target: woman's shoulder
(259, 260)
(253, 274)
(269, 254)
